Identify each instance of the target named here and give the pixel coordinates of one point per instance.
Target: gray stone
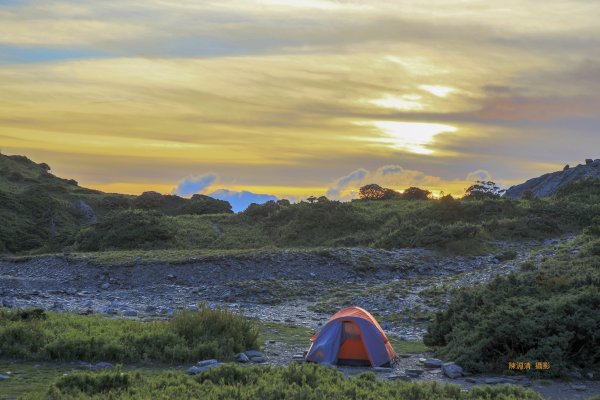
(493, 381)
(193, 307)
(414, 372)
(590, 375)
(433, 363)
(71, 291)
(548, 184)
(204, 363)
(85, 210)
(241, 358)
(102, 365)
(4, 377)
(197, 369)
(105, 285)
(382, 369)
(452, 370)
(578, 387)
(150, 309)
(253, 353)
(9, 302)
(130, 313)
(107, 310)
(258, 359)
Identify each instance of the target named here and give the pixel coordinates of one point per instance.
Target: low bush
(295, 382)
(127, 229)
(188, 336)
(549, 314)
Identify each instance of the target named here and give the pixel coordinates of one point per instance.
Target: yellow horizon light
(439, 91)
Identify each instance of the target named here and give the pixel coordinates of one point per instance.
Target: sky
(287, 99)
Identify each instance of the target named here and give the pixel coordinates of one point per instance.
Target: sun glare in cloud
(439, 91)
(408, 102)
(414, 137)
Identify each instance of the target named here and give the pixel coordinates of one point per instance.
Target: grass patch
(295, 382)
(188, 336)
(34, 378)
(408, 346)
(292, 335)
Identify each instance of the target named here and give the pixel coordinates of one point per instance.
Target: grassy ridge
(42, 213)
(188, 336)
(306, 382)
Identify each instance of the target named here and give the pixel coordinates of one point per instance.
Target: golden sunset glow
(289, 98)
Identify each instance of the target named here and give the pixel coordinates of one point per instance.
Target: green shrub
(547, 314)
(127, 229)
(295, 382)
(188, 336)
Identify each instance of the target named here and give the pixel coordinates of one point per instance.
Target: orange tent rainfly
(351, 337)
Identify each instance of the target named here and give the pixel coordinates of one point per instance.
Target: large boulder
(452, 370)
(548, 184)
(86, 212)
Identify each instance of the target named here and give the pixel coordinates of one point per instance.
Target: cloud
(241, 200)
(194, 184)
(346, 181)
(398, 178)
(479, 175)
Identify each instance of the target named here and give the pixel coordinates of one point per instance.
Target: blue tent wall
(326, 346)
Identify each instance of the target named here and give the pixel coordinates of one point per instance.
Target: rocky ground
(297, 288)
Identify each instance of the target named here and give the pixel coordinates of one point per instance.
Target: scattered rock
(253, 353)
(71, 291)
(258, 359)
(171, 277)
(494, 381)
(150, 309)
(202, 366)
(204, 363)
(452, 370)
(105, 286)
(9, 302)
(130, 313)
(414, 372)
(242, 358)
(578, 387)
(4, 377)
(433, 363)
(382, 369)
(85, 210)
(102, 365)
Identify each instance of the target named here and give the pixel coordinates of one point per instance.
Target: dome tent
(351, 337)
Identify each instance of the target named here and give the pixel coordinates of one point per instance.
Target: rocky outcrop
(548, 184)
(86, 211)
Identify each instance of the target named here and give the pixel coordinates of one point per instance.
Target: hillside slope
(548, 184)
(41, 211)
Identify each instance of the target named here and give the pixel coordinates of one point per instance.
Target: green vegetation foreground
(187, 337)
(295, 382)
